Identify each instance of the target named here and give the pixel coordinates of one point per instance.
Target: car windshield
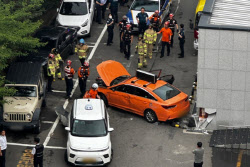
(119, 80)
(93, 128)
(74, 8)
(166, 92)
(149, 5)
(25, 91)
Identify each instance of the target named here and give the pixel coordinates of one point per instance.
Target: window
(74, 8)
(166, 92)
(118, 80)
(125, 89)
(149, 5)
(142, 93)
(25, 91)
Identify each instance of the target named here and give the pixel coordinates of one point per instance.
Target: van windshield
(149, 5)
(74, 8)
(166, 92)
(25, 91)
(95, 128)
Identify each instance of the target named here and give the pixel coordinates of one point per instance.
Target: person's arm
(33, 152)
(146, 18)
(132, 39)
(122, 36)
(159, 31)
(1, 152)
(177, 27)
(98, 3)
(137, 18)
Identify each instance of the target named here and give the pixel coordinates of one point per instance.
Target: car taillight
(186, 98)
(169, 107)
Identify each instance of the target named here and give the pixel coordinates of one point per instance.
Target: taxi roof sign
(88, 107)
(146, 76)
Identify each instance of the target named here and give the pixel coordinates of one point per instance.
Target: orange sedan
(145, 94)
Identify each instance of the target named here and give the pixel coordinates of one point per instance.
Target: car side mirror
(67, 129)
(57, 9)
(111, 129)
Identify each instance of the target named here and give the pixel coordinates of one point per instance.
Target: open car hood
(110, 70)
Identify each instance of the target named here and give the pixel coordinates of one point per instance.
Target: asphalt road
(136, 143)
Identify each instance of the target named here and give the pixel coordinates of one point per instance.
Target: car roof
(140, 83)
(50, 32)
(89, 109)
(24, 73)
(74, 0)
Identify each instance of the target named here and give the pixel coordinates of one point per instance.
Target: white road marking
(59, 91)
(128, 65)
(47, 122)
(32, 145)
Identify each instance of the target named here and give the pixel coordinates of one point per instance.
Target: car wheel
(44, 103)
(150, 116)
(37, 130)
(103, 97)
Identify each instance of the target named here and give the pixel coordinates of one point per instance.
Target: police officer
(150, 37)
(141, 49)
(83, 73)
(51, 69)
(172, 25)
(113, 6)
(122, 26)
(81, 50)
(93, 92)
(69, 74)
(142, 18)
(58, 62)
(182, 40)
(127, 37)
(110, 24)
(37, 153)
(155, 20)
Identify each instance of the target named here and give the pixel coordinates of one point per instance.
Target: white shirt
(3, 142)
(34, 149)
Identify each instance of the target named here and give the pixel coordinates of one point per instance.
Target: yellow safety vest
(142, 47)
(81, 51)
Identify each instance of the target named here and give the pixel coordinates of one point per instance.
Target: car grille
(17, 117)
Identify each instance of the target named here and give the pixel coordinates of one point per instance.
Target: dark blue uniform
(114, 9)
(127, 42)
(122, 27)
(110, 31)
(172, 24)
(142, 22)
(182, 41)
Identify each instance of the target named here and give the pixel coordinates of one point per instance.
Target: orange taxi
(145, 94)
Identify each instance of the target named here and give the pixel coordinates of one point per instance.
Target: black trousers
(82, 85)
(114, 14)
(104, 10)
(172, 39)
(142, 28)
(182, 47)
(198, 164)
(163, 48)
(82, 61)
(69, 86)
(38, 162)
(98, 13)
(50, 80)
(2, 159)
(127, 45)
(110, 35)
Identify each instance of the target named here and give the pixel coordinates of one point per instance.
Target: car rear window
(166, 92)
(74, 8)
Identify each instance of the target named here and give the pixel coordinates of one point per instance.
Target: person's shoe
(181, 57)
(179, 53)
(161, 56)
(108, 44)
(127, 58)
(168, 54)
(111, 42)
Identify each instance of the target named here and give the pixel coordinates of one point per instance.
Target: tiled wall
(224, 76)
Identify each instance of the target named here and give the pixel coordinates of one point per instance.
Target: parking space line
(32, 145)
(47, 122)
(59, 91)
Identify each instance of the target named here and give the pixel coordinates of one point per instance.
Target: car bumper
(80, 158)
(180, 112)
(84, 31)
(19, 126)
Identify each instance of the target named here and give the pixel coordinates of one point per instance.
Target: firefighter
(172, 25)
(51, 68)
(81, 50)
(122, 26)
(58, 62)
(83, 73)
(127, 38)
(150, 37)
(155, 20)
(93, 92)
(69, 74)
(141, 49)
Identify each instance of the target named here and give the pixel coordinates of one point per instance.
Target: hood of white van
(20, 104)
(89, 143)
(67, 20)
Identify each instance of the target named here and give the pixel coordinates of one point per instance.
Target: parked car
(89, 142)
(150, 6)
(145, 94)
(24, 110)
(77, 13)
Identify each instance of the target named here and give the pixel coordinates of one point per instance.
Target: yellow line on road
(239, 158)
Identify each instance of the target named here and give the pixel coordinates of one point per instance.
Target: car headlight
(85, 23)
(28, 115)
(5, 115)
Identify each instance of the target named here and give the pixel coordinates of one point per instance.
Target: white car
(76, 13)
(88, 129)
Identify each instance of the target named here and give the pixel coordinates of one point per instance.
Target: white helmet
(95, 86)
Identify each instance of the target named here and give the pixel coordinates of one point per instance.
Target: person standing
(37, 153)
(127, 37)
(3, 147)
(69, 74)
(142, 19)
(93, 92)
(122, 27)
(155, 20)
(182, 40)
(166, 38)
(113, 6)
(51, 71)
(81, 50)
(83, 73)
(58, 62)
(110, 25)
(99, 5)
(150, 37)
(141, 49)
(104, 8)
(172, 25)
(198, 155)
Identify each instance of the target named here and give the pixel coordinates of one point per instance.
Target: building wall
(224, 76)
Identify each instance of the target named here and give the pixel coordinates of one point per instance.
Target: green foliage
(4, 91)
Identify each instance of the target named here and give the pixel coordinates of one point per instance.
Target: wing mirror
(67, 129)
(111, 129)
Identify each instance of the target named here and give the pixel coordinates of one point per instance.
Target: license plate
(89, 160)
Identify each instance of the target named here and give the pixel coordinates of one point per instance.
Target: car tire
(150, 116)
(105, 100)
(37, 130)
(44, 103)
